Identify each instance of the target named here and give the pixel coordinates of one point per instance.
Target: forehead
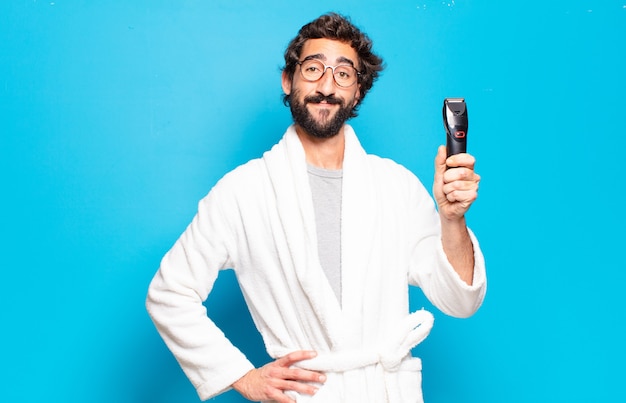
(329, 50)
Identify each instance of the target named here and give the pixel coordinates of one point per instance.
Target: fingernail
(322, 378)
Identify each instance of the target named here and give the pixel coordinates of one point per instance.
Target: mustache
(318, 98)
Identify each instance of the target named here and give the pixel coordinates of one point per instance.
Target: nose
(326, 83)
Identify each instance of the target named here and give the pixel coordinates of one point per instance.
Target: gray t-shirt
(326, 191)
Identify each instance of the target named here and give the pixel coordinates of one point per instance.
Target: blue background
(117, 117)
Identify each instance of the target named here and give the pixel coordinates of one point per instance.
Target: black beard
(303, 118)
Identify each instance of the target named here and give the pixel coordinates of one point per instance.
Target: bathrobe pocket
(331, 391)
(409, 382)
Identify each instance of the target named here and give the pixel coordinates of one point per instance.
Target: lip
(323, 104)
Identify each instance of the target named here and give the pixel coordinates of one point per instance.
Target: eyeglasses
(313, 69)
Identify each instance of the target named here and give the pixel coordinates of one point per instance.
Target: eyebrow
(345, 60)
(321, 56)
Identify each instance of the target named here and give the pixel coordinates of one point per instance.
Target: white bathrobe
(259, 220)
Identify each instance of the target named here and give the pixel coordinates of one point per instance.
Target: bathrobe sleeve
(175, 301)
(429, 266)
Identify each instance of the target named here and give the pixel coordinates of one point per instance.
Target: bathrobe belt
(390, 354)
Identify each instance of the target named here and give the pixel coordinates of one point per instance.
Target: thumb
(440, 169)
(440, 160)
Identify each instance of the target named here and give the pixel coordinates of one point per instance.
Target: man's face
(322, 107)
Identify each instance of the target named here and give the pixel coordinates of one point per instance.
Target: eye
(312, 68)
(343, 72)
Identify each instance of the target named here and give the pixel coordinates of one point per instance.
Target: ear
(357, 96)
(286, 83)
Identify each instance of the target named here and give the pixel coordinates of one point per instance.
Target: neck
(324, 153)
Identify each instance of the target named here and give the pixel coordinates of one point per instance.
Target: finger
(440, 160)
(460, 175)
(299, 374)
(461, 160)
(294, 374)
(440, 169)
(299, 387)
(283, 367)
(296, 356)
(460, 186)
(278, 396)
(463, 197)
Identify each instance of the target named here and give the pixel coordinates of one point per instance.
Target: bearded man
(325, 241)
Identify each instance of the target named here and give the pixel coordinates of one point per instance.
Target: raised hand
(456, 184)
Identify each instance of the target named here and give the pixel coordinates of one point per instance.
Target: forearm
(458, 247)
(207, 357)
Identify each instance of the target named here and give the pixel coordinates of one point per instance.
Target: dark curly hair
(337, 27)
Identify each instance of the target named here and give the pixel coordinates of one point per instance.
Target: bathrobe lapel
(286, 164)
(359, 204)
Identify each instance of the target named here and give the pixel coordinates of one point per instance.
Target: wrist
(240, 384)
(452, 221)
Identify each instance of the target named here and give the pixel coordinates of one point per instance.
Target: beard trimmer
(455, 122)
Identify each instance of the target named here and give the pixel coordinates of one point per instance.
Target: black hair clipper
(455, 122)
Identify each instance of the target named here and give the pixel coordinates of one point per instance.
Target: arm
(175, 303)
(446, 259)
